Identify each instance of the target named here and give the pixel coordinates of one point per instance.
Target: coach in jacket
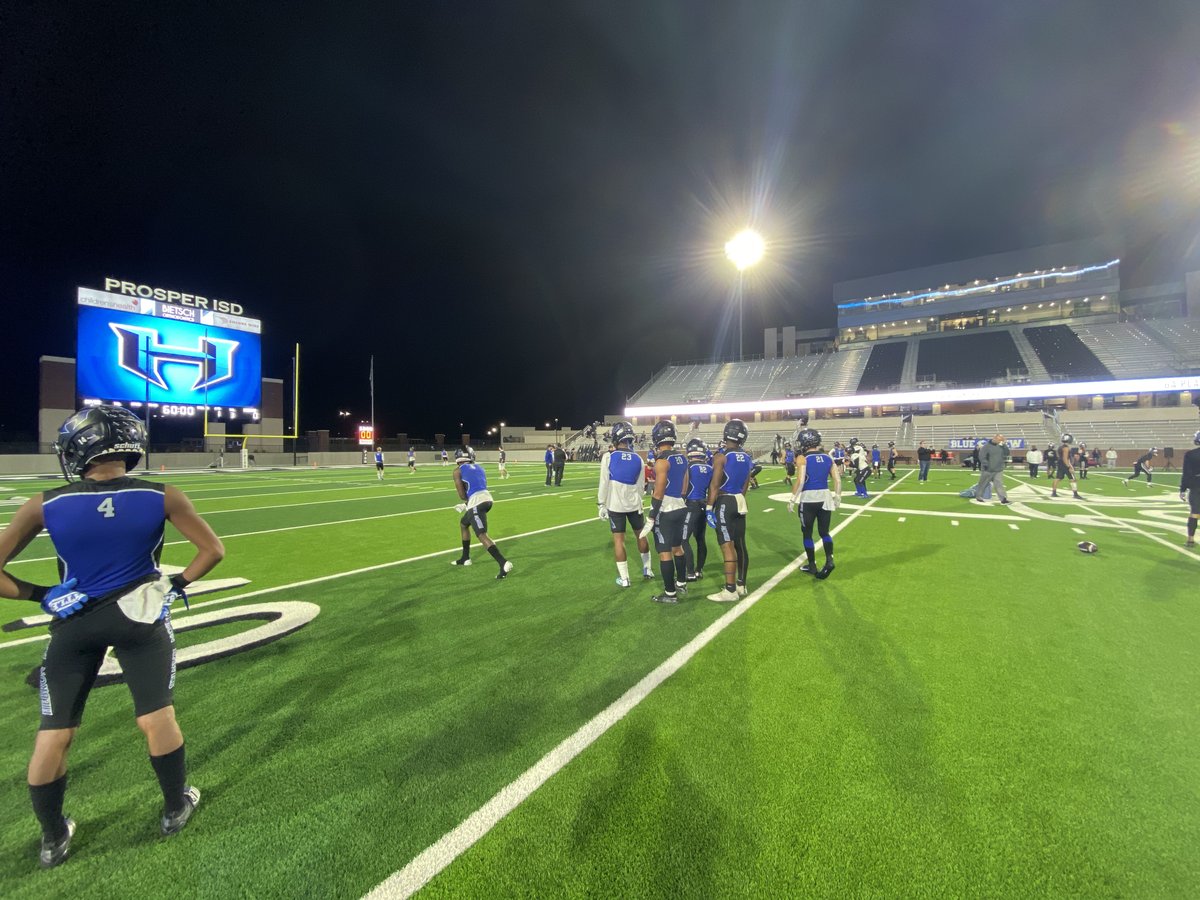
(992, 456)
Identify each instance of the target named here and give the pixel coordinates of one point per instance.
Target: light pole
(744, 249)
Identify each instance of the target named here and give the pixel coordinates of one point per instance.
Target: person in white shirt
(1034, 459)
(1110, 458)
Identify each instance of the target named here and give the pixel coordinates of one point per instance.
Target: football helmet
(891, 443)
(663, 433)
(697, 449)
(622, 433)
(1067, 439)
(1196, 438)
(1153, 449)
(808, 439)
(464, 455)
(735, 431)
(99, 431)
(853, 442)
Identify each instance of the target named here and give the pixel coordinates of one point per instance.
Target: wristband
(37, 592)
(179, 582)
(655, 506)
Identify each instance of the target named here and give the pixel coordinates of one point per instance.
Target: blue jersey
(699, 477)
(875, 455)
(624, 466)
(737, 471)
(789, 457)
(677, 468)
(816, 472)
(107, 534)
(379, 458)
(474, 479)
(839, 453)
(549, 457)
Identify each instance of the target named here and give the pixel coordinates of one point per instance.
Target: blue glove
(176, 593)
(63, 600)
(712, 519)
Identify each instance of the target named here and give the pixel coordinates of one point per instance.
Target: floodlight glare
(745, 249)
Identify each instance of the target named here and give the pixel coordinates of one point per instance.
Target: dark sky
(519, 207)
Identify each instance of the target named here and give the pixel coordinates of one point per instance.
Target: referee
(107, 530)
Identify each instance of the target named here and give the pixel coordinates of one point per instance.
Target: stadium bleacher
(676, 383)
(973, 358)
(1064, 354)
(1125, 350)
(885, 366)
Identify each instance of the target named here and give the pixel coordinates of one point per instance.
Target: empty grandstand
(1063, 353)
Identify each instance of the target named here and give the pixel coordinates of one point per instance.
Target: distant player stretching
(471, 483)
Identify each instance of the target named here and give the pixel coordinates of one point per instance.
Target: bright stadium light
(745, 249)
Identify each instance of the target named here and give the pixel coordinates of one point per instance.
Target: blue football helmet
(622, 433)
(697, 449)
(99, 431)
(663, 433)
(735, 431)
(807, 439)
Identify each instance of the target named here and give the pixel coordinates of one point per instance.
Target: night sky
(519, 207)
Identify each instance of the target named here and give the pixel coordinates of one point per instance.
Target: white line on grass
(1178, 548)
(179, 615)
(453, 844)
(1014, 527)
(242, 534)
(1078, 530)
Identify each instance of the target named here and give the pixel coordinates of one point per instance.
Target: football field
(968, 706)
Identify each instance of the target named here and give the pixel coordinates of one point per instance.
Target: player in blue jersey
(412, 460)
(789, 463)
(839, 456)
(107, 530)
(816, 499)
(379, 463)
(549, 457)
(727, 509)
(471, 483)
(876, 459)
(696, 502)
(668, 511)
(860, 465)
(619, 499)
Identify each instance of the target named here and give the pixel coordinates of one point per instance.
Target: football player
(619, 499)
(1141, 466)
(695, 523)
(1065, 468)
(789, 463)
(107, 530)
(668, 511)
(502, 463)
(860, 465)
(727, 509)
(891, 459)
(412, 460)
(817, 501)
(471, 483)
(445, 457)
(1189, 487)
(839, 456)
(379, 463)
(875, 459)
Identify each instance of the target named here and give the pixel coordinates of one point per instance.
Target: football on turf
(1087, 547)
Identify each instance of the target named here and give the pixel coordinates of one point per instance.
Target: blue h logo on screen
(139, 352)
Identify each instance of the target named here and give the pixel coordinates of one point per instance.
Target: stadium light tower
(745, 249)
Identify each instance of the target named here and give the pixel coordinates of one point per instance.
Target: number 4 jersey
(107, 534)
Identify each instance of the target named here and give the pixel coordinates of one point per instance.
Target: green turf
(962, 709)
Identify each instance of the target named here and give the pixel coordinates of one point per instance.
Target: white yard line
(1178, 548)
(453, 844)
(179, 615)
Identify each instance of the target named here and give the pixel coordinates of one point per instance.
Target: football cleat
(742, 591)
(622, 582)
(172, 823)
(665, 598)
(1075, 494)
(460, 562)
(504, 570)
(825, 569)
(808, 568)
(54, 852)
(724, 596)
(647, 575)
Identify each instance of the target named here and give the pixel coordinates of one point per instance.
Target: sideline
(422, 869)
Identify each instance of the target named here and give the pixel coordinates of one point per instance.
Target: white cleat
(622, 582)
(742, 591)
(460, 562)
(724, 596)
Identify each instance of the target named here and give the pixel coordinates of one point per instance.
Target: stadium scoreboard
(181, 359)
